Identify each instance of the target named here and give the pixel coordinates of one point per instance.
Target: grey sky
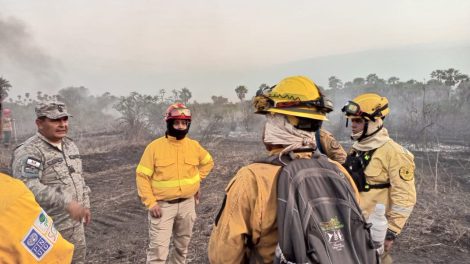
(121, 46)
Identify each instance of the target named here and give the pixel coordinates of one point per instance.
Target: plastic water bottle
(379, 227)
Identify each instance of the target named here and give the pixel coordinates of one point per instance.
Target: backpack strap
(317, 139)
(355, 164)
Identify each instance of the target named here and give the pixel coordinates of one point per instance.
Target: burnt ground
(118, 232)
(437, 231)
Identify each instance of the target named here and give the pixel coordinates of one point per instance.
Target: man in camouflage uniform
(49, 164)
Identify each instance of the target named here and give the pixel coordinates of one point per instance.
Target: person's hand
(155, 211)
(388, 245)
(197, 196)
(87, 216)
(75, 210)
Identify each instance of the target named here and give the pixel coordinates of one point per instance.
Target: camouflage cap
(52, 110)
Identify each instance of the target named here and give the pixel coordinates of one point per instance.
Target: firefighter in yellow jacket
(382, 169)
(247, 222)
(27, 233)
(168, 178)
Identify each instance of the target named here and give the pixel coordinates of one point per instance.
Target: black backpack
(318, 217)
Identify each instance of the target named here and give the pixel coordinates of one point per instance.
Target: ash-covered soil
(438, 230)
(118, 232)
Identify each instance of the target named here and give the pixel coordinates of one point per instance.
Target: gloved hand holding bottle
(379, 227)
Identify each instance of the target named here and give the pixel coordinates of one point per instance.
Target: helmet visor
(179, 113)
(351, 108)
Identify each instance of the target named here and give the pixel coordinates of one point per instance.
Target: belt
(178, 200)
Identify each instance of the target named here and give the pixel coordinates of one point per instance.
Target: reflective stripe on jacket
(171, 169)
(27, 233)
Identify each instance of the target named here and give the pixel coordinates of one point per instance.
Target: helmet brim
(300, 112)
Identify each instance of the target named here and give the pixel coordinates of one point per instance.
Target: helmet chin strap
(364, 131)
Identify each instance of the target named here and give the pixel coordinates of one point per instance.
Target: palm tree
(185, 95)
(162, 95)
(4, 88)
(241, 92)
(175, 95)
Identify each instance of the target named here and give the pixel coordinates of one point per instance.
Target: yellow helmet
(368, 106)
(294, 96)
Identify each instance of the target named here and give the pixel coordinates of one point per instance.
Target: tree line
(436, 108)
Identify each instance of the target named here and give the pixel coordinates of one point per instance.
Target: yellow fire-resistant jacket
(250, 213)
(27, 234)
(395, 164)
(171, 169)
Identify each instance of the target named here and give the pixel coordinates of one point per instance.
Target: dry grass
(439, 227)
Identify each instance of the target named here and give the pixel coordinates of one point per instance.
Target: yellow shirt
(171, 169)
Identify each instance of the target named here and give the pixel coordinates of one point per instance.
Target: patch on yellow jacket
(406, 173)
(334, 144)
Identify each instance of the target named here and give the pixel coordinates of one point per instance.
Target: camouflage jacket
(54, 176)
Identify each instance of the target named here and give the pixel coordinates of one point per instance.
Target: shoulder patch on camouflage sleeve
(33, 162)
(406, 173)
(31, 167)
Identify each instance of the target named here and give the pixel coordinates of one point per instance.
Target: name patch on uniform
(36, 244)
(406, 173)
(33, 162)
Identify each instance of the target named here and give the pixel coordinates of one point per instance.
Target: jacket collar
(174, 140)
(43, 138)
(293, 155)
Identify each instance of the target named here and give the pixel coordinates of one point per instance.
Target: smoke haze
(21, 59)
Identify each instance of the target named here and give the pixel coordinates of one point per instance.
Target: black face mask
(310, 125)
(178, 134)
